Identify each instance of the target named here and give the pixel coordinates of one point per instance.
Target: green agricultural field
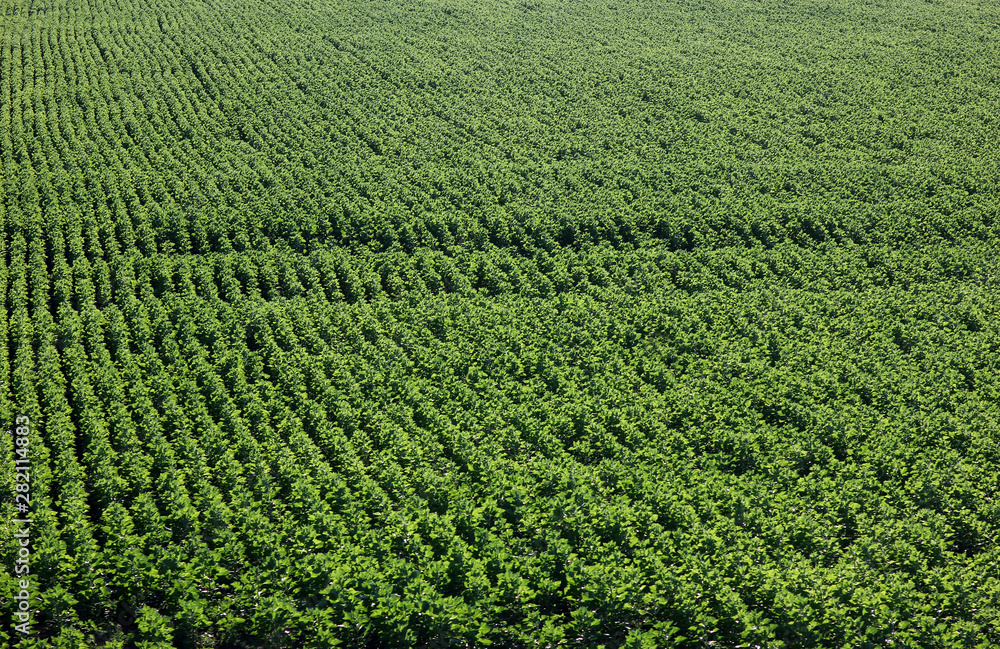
(521, 323)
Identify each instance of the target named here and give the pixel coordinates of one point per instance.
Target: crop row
(245, 128)
(464, 465)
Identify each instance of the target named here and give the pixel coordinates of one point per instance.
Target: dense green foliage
(378, 323)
